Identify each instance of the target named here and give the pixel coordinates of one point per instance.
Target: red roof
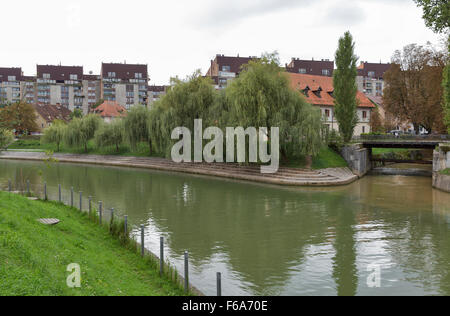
(320, 90)
(50, 112)
(110, 109)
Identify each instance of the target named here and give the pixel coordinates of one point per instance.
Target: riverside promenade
(284, 176)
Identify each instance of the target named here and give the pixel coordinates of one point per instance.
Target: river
(271, 240)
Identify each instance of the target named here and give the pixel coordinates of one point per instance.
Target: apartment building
(60, 85)
(318, 91)
(370, 78)
(10, 85)
(155, 93)
(223, 69)
(323, 67)
(126, 84)
(28, 89)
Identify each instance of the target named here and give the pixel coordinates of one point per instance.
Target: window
(73, 77)
(371, 74)
(111, 74)
(364, 114)
(226, 68)
(302, 71)
(327, 113)
(325, 72)
(364, 129)
(11, 78)
(138, 75)
(46, 76)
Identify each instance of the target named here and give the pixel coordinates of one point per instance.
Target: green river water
(271, 240)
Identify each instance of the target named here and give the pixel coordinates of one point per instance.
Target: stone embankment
(285, 176)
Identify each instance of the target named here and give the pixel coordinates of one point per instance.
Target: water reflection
(273, 240)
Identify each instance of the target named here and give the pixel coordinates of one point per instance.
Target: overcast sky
(176, 37)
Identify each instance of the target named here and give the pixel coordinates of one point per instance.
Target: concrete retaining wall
(441, 182)
(358, 159)
(441, 161)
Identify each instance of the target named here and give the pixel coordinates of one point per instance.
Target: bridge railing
(443, 137)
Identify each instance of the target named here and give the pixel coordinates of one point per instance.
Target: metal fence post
(81, 201)
(90, 206)
(9, 185)
(112, 218)
(142, 241)
(60, 195)
(161, 256)
(100, 206)
(28, 187)
(186, 271)
(45, 191)
(126, 225)
(219, 284)
(71, 196)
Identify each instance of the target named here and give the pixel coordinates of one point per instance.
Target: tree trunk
(57, 147)
(85, 148)
(117, 147)
(150, 146)
(308, 160)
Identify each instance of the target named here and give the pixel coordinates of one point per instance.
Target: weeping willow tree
(262, 97)
(81, 130)
(185, 101)
(6, 137)
(136, 127)
(446, 99)
(111, 134)
(54, 134)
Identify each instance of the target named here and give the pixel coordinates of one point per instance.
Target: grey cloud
(233, 11)
(348, 14)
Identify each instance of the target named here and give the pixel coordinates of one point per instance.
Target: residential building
(46, 114)
(370, 78)
(10, 85)
(318, 91)
(155, 93)
(323, 67)
(126, 84)
(61, 85)
(223, 69)
(109, 110)
(28, 89)
(91, 90)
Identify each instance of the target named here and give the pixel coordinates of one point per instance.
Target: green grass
(327, 158)
(380, 151)
(34, 257)
(446, 171)
(141, 151)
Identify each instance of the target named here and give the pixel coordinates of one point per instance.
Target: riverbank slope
(34, 257)
(284, 176)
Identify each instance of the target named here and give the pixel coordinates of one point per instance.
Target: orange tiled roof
(110, 109)
(300, 82)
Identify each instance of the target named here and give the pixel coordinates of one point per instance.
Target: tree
(111, 134)
(81, 130)
(345, 88)
(54, 134)
(136, 127)
(20, 117)
(184, 102)
(446, 99)
(436, 14)
(413, 90)
(376, 124)
(262, 97)
(77, 113)
(6, 137)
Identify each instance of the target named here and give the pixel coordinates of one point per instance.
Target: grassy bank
(446, 172)
(34, 257)
(327, 158)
